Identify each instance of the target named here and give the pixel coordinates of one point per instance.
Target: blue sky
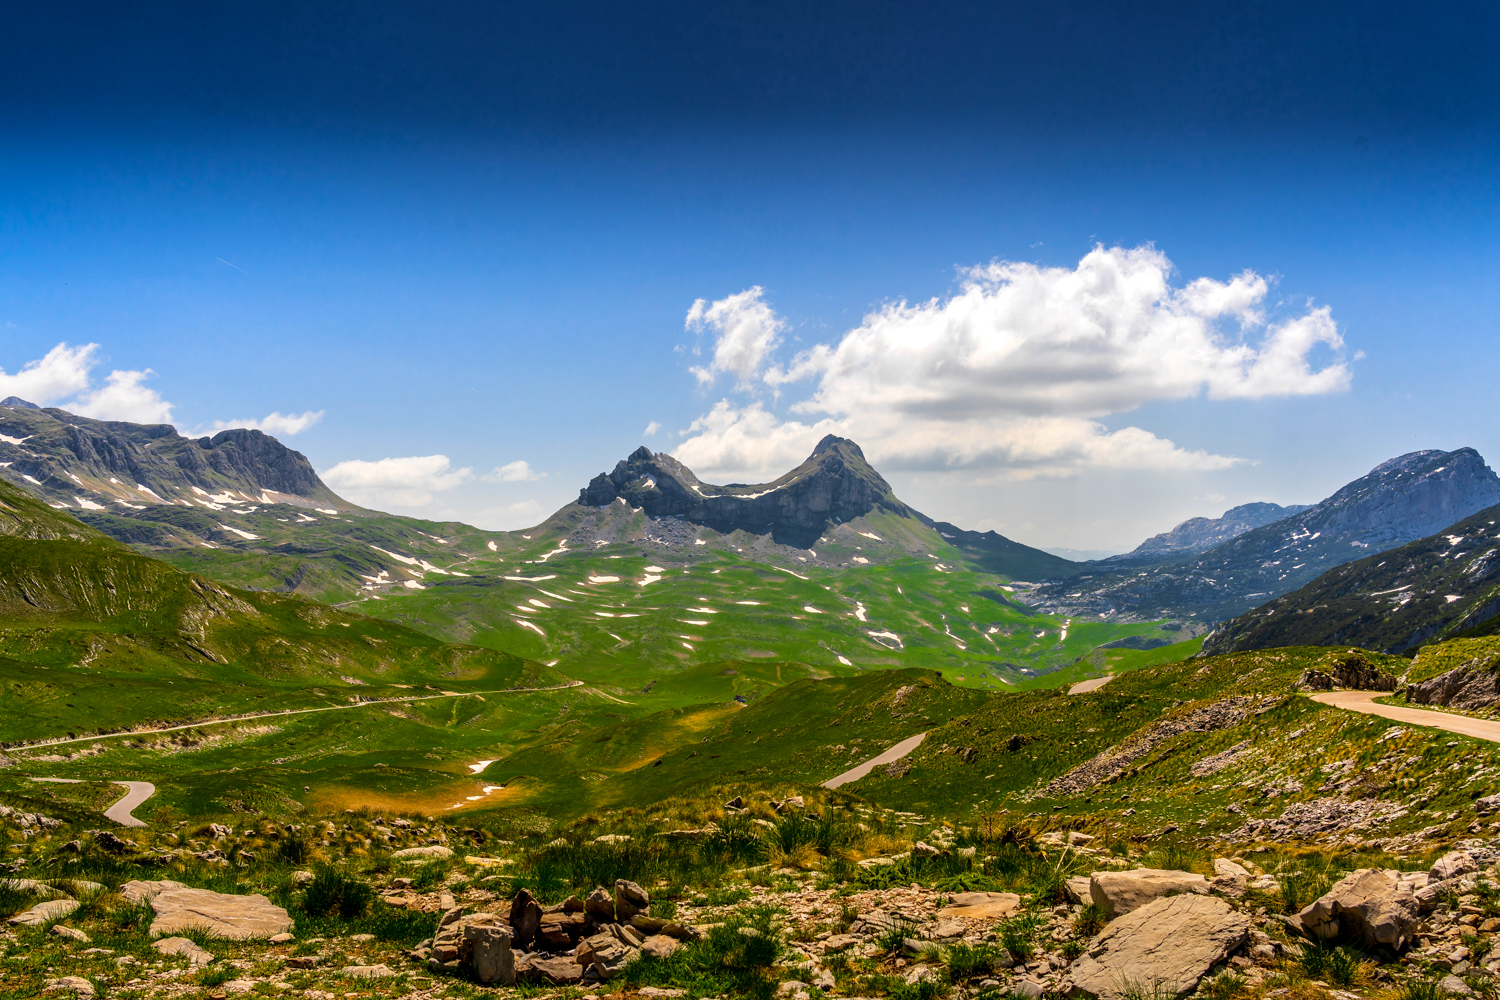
(477, 233)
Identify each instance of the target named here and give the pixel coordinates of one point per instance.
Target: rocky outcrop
(1117, 893)
(1165, 946)
(835, 484)
(1351, 672)
(1470, 686)
(1371, 906)
(1117, 760)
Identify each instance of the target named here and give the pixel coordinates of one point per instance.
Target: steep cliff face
(1399, 501)
(834, 485)
(92, 465)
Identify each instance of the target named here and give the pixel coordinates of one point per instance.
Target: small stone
(183, 947)
(71, 933)
(367, 971)
(1452, 984)
(659, 946)
(282, 938)
(77, 984)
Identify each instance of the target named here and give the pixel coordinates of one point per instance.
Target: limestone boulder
(659, 946)
(1371, 906)
(486, 954)
(1166, 945)
(600, 905)
(1452, 865)
(1118, 893)
(1230, 878)
(604, 955)
(137, 892)
(630, 899)
(218, 914)
(525, 918)
(418, 853)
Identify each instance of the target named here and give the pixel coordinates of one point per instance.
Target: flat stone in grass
(238, 918)
(183, 947)
(41, 913)
(1163, 947)
(981, 905)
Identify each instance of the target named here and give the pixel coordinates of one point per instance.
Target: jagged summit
(24, 404)
(1198, 534)
(834, 485)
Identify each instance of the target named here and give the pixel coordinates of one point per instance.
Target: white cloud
(651, 429)
(288, 424)
(1017, 370)
(123, 397)
(397, 482)
(747, 330)
(514, 472)
(62, 372)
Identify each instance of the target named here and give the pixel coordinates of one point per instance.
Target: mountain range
(1398, 501)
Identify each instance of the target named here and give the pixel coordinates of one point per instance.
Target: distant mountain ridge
(1438, 587)
(1199, 534)
(1398, 501)
(85, 464)
(835, 484)
(808, 511)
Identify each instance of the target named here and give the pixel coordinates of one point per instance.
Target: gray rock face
(1469, 686)
(630, 899)
(1370, 905)
(1354, 673)
(1117, 893)
(1167, 944)
(1198, 534)
(834, 485)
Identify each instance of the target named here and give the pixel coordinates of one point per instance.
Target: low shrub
(332, 893)
(1089, 921)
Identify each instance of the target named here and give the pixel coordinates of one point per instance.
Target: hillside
(1401, 500)
(94, 636)
(1433, 588)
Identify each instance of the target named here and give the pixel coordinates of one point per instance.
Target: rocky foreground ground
(411, 908)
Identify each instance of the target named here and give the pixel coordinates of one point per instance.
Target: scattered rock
(184, 948)
(525, 918)
(600, 904)
(77, 984)
(1118, 893)
(367, 971)
(71, 933)
(111, 843)
(431, 851)
(282, 938)
(560, 971)
(1452, 984)
(659, 946)
(1167, 944)
(1452, 865)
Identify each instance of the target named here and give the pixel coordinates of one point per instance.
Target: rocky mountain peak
(835, 484)
(24, 404)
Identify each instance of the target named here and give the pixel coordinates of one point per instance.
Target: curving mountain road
(896, 752)
(1364, 703)
(136, 792)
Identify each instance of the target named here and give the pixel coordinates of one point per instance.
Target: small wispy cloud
(513, 472)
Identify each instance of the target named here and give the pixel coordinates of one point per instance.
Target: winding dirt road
(1364, 703)
(896, 752)
(136, 792)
